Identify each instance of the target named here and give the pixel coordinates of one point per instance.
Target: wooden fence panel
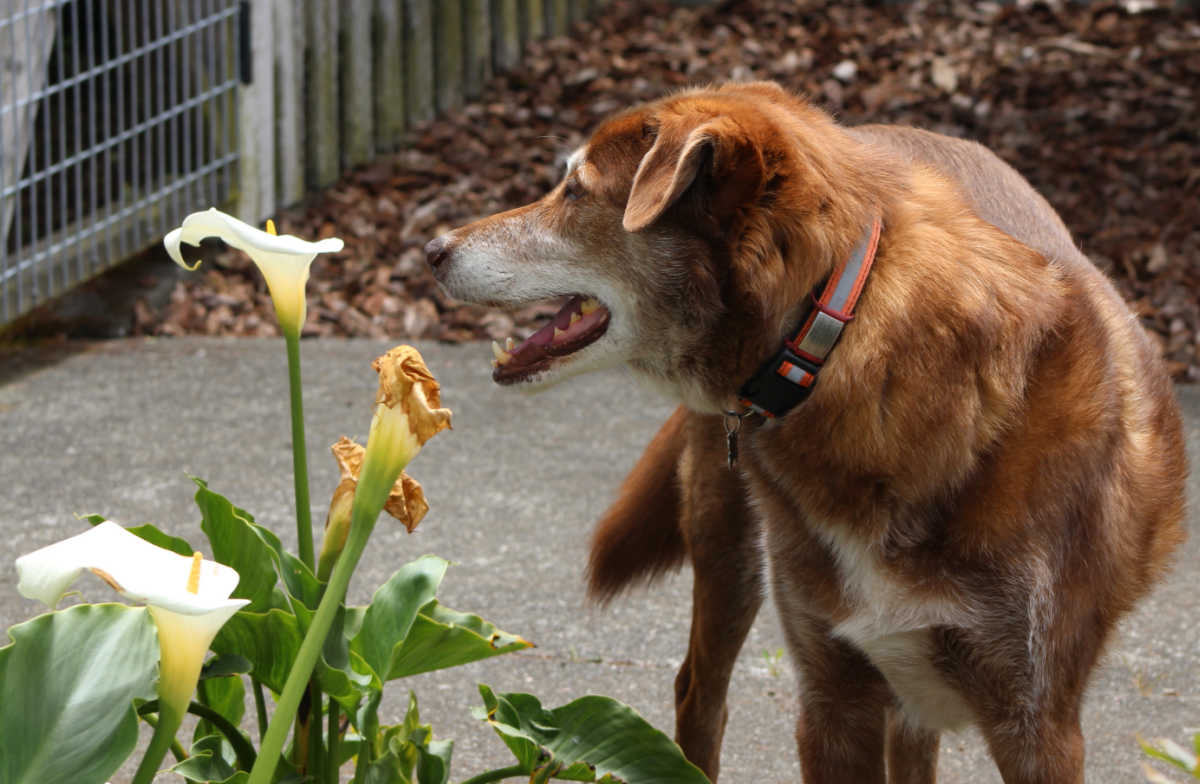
(388, 46)
(533, 19)
(448, 54)
(477, 46)
(358, 100)
(558, 16)
(290, 114)
(336, 82)
(419, 82)
(506, 34)
(256, 113)
(323, 141)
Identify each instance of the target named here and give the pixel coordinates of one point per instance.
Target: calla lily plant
(188, 598)
(73, 682)
(408, 412)
(284, 260)
(406, 503)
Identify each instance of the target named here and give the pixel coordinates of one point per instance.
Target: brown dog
(987, 473)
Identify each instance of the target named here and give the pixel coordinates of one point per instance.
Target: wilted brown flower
(406, 501)
(405, 383)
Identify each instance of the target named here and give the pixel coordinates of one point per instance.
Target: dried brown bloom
(406, 383)
(406, 501)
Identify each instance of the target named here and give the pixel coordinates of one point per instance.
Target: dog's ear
(717, 152)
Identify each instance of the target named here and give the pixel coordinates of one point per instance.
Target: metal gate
(117, 117)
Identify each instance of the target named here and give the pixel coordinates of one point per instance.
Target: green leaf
(441, 638)
(67, 685)
(366, 720)
(227, 696)
(151, 534)
(269, 640)
(257, 556)
(1169, 751)
(346, 684)
(206, 761)
(384, 770)
(406, 753)
(590, 739)
(225, 664)
(237, 543)
(392, 611)
(433, 756)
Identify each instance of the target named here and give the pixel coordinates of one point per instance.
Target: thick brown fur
(987, 476)
(629, 545)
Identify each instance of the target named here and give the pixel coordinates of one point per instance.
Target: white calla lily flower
(283, 260)
(188, 598)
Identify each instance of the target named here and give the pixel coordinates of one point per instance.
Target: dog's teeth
(575, 317)
(502, 356)
(509, 344)
(589, 306)
(558, 333)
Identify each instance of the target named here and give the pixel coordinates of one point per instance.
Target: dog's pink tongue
(542, 343)
(570, 330)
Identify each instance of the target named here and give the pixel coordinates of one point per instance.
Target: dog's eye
(572, 190)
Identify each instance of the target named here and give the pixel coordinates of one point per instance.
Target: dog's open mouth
(580, 322)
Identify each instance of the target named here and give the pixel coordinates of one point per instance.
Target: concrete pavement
(115, 428)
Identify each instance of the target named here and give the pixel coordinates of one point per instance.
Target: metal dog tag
(731, 436)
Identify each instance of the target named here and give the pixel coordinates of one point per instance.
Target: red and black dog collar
(787, 378)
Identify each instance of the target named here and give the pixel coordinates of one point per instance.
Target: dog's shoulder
(994, 189)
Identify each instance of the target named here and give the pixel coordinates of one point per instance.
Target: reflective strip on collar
(787, 378)
(796, 375)
(848, 283)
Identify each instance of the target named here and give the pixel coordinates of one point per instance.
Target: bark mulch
(1097, 104)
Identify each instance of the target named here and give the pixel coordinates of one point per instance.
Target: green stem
(315, 764)
(242, 748)
(169, 720)
(176, 747)
(304, 533)
(260, 705)
(361, 525)
(331, 745)
(496, 775)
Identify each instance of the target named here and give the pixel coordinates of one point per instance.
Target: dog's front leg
(912, 752)
(844, 702)
(722, 540)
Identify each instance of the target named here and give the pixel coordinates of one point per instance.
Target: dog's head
(684, 231)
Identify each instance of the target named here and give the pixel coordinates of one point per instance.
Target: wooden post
(477, 45)
(533, 22)
(358, 100)
(448, 53)
(558, 16)
(506, 34)
(389, 74)
(289, 102)
(418, 57)
(256, 120)
(323, 142)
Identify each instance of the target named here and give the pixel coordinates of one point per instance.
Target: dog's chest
(826, 577)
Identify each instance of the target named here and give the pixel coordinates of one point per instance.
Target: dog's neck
(787, 378)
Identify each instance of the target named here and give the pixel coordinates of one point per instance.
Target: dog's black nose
(437, 250)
